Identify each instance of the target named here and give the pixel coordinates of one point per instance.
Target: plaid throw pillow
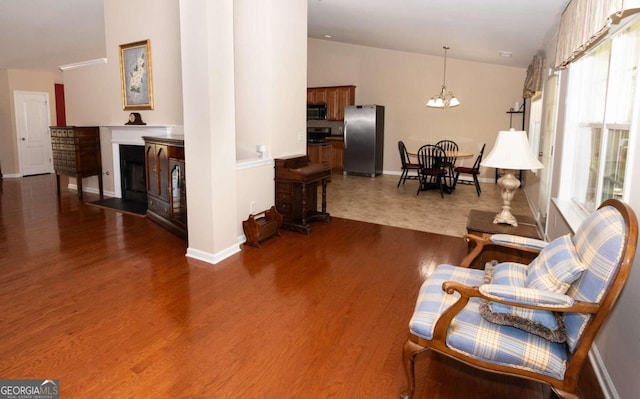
(548, 325)
(556, 267)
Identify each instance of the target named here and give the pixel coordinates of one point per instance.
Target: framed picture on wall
(135, 75)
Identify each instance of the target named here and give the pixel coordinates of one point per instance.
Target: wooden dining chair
(474, 171)
(431, 160)
(407, 165)
(449, 147)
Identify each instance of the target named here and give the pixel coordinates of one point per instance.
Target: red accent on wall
(61, 112)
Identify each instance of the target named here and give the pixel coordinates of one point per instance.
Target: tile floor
(377, 200)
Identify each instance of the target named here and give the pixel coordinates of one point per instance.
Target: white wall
(93, 93)
(403, 82)
(208, 82)
(202, 72)
(270, 73)
(242, 93)
(618, 342)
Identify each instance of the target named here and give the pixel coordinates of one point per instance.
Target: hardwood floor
(108, 304)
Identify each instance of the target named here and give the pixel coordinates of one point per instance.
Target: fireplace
(133, 182)
(132, 136)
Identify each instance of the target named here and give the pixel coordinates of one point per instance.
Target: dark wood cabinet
(178, 191)
(76, 153)
(166, 183)
(336, 98)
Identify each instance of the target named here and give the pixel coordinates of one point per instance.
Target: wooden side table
(481, 223)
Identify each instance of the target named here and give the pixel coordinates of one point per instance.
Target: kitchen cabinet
(320, 153)
(336, 98)
(331, 153)
(166, 188)
(337, 145)
(76, 153)
(317, 95)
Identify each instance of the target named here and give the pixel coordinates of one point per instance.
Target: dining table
(450, 154)
(459, 154)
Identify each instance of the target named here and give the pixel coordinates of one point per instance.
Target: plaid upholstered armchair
(534, 319)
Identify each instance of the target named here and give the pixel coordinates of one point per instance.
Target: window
(600, 94)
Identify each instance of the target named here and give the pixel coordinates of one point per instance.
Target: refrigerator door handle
(344, 137)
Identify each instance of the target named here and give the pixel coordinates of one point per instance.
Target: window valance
(585, 22)
(533, 80)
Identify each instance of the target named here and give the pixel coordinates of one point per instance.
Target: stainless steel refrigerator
(363, 139)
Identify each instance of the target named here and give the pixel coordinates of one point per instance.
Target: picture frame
(135, 75)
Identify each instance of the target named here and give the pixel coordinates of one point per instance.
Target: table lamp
(510, 152)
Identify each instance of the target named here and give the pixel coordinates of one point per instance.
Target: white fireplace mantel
(132, 135)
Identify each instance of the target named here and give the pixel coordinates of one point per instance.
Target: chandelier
(444, 99)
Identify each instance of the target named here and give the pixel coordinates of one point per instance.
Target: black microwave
(316, 111)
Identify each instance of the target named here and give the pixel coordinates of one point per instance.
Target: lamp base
(509, 184)
(505, 217)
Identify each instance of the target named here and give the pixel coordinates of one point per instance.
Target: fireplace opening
(132, 174)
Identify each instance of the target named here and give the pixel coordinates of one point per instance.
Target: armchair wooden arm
(466, 292)
(484, 250)
(612, 229)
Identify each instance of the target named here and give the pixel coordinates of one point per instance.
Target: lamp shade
(512, 151)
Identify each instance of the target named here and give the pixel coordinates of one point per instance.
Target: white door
(34, 141)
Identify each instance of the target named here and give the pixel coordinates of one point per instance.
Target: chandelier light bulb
(445, 99)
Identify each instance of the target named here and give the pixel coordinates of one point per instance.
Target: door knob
(23, 139)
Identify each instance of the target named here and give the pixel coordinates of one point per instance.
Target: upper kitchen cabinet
(317, 95)
(336, 98)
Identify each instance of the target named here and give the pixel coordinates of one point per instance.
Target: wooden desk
(481, 223)
(297, 194)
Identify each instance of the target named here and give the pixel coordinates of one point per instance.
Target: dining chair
(431, 160)
(407, 165)
(449, 147)
(535, 321)
(474, 171)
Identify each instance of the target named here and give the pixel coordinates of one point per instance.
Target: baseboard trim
(608, 389)
(91, 190)
(213, 258)
(11, 175)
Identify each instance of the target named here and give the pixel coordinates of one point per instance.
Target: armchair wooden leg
(409, 352)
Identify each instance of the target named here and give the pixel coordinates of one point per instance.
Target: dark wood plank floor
(108, 304)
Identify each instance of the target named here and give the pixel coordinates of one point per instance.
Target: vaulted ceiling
(42, 35)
